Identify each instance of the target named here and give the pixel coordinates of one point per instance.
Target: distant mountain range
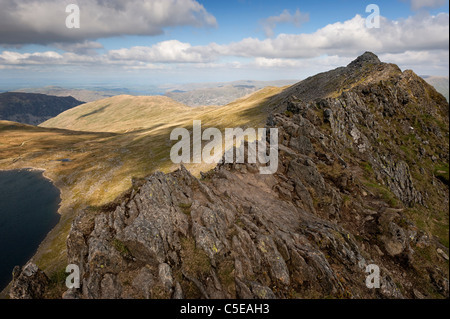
(191, 94)
(79, 94)
(31, 108)
(204, 94)
(194, 94)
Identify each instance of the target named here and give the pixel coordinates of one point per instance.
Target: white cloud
(145, 66)
(275, 63)
(419, 4)
(421, 62)
(269, 24)
(420, 42)
(12, 58)
(348, 38)
(43, 21)
(166, 51)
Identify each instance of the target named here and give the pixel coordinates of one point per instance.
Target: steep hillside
(126, 113)
(30, 108)
(119, 114)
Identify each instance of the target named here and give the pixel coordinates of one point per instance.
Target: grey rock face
(238, 240)
(29, 282)
(366, 58)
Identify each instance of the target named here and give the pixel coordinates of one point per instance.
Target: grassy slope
(103, 163)
(120, 114)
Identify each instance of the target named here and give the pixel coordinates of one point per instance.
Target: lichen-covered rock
(29, 282)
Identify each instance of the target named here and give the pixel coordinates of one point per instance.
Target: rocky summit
(362, 180)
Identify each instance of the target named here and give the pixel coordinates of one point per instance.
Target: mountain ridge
(33, 108)
(117, 113)
(220, 93)
(354, 188)
(362, 179)
(79, 94)
(365, 68)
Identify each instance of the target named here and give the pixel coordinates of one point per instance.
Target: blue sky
(178, 41)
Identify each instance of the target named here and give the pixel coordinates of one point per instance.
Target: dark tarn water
(28, 211)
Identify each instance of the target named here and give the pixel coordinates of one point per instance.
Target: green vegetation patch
(385, 194)
(185, 208)
(121, 247)
(195, 261)
(57, 284)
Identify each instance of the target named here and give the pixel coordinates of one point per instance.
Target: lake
(28, 211)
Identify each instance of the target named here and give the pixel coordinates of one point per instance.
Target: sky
(151, 42)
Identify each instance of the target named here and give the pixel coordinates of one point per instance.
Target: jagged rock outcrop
(351, 189)
(210, 241)
(28, 282)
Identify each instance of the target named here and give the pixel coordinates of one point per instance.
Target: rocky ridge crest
(360, 171)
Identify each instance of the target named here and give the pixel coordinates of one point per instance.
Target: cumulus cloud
(419, 4)
(163, 52)
(269, 24)
(15, 58)
(422, 62)
(43, 21)
(421, 40)
(275, 63)
(348, 38)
